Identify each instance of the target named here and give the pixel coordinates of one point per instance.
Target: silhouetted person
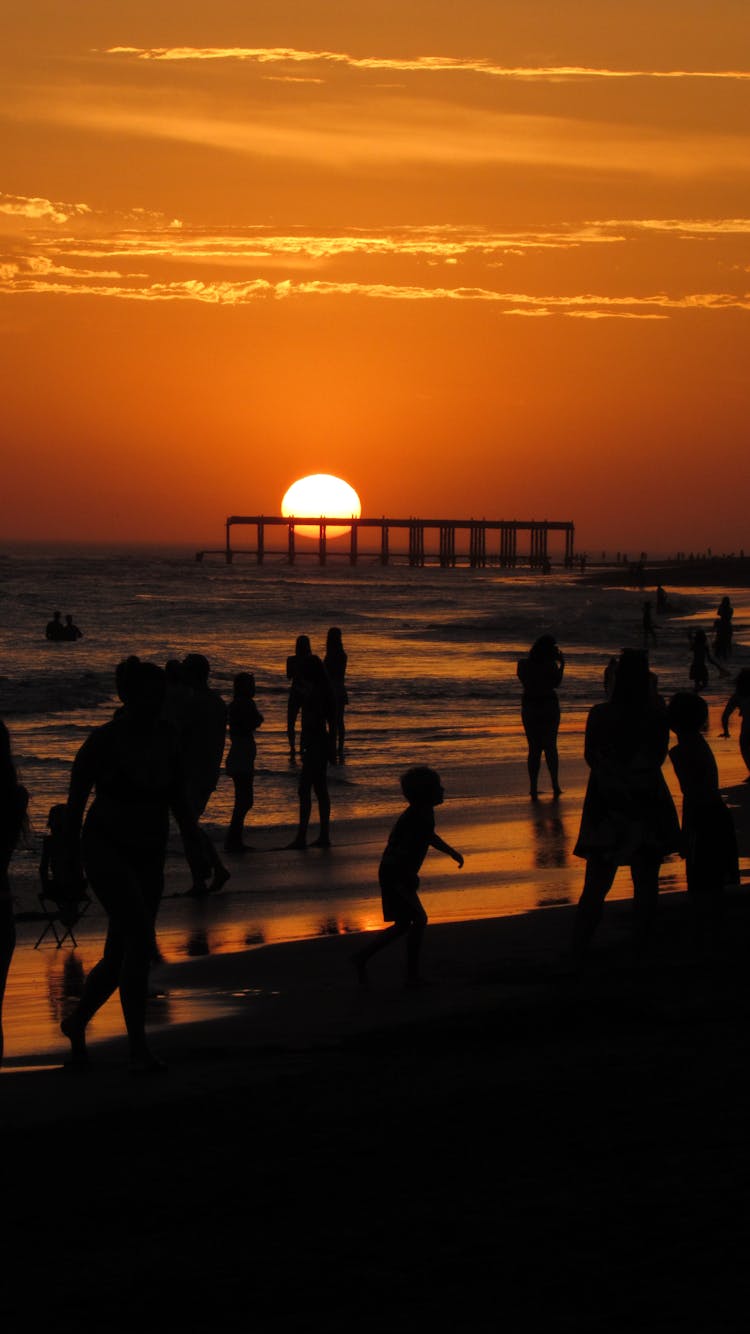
(411, 837)
(14, 800)
(709, 841)
(628, 816)
(540, 674)
(202, 736)
(740, 700)
(244, 720)
(701, 657)
(318, 715)
(649, 629)
(55, 629)
(335, 662)
(723, 629)
(70, 630)
(302, 650)
(134, 767)
(662, 601)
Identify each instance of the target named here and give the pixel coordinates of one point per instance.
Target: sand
(504, 1148)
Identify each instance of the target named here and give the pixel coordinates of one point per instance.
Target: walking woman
(628, 817)
(540, 674)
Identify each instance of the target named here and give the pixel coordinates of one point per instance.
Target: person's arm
(82, 780)
(437, 842)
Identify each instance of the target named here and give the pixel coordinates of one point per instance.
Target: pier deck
(445, 542)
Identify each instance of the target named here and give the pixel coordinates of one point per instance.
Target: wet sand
(503, 1148)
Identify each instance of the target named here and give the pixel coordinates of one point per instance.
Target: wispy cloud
(416, 64)
(25, 279)
(40, 210)
(399, 134)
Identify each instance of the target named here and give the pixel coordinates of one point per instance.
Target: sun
(321, 496)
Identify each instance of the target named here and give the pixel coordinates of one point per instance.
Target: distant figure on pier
(628, 816)
(709, 841)
(701, 657)
(70, 630)
(408, 843)
(649, 629)
(740, 700)
(723, 629)
(55, 629)
(302, 650)
(14, 800)
(318, 717)
(335, 662)
(202, 745)
(540, 674)
(244, 719)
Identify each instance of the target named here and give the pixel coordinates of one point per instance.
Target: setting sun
(321, 495)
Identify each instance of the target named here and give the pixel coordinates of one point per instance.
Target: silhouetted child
(709, 841)
(408, 842)
(54, 867)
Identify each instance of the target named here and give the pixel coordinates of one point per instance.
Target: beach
(502, 1147)
(505, 1146)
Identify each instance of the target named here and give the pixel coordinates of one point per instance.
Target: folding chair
(61, 915)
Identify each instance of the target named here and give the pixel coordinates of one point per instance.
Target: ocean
(431, 679)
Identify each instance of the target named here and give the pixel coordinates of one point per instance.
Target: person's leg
(597, 883)
(533, 764)
(414, 939)
(553, 762)
(243, 800)
(320, 786)
(292, 709)
(215, 867)
(304, 791)
(381, 940)
(745, 746)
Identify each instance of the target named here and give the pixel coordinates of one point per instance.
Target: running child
(409, 840)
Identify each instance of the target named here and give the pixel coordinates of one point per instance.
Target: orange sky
(479, 260)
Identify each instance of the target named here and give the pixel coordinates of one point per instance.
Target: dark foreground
(550, 1155)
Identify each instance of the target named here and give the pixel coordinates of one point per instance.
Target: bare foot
(75, 1032)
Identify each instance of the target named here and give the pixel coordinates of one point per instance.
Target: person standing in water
(335, 662)
(302, 650)
(540, 674)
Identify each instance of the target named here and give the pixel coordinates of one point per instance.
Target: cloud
(39, 210)
(403, 135)
(416, 64)
(26, 279)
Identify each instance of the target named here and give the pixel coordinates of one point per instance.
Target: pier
(417, 542)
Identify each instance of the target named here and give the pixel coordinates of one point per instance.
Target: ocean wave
(54, 694)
